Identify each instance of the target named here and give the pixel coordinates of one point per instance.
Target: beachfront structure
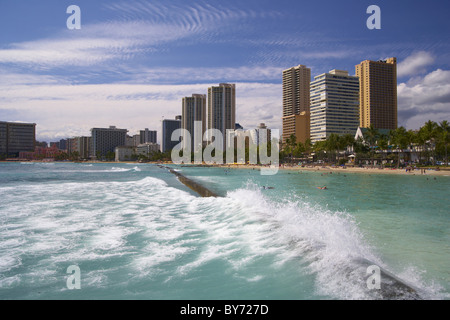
(193, 109)
(63, 144)
(83, 147)
(136, 140)
(168, 127)
(16, 137)
(378, 93)
(105, 140)
(147, 136)
(296, 103)
(361, 133)
(297, 125)
(222, 109)
(147, 149)
(41, 153)
(258, 137)
(124, 153)
(334, 105)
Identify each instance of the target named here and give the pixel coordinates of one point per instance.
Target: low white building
(124, 153)
(147, 149)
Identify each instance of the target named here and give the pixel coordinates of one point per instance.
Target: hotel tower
(296, 103)
(222, 109)
(194, 109)
(378, 93)
(334, 105)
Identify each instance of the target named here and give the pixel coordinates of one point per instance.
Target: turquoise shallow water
(135, 232)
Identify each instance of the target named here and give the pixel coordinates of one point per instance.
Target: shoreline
(332, 169)
(413, 172)
(328, 169)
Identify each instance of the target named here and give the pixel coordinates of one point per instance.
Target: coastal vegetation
(426, 146)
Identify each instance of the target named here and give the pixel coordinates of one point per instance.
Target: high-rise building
(222, 109)
(334, 105)
(72, 145)
(16, 137)
(296, 101)
(105, 140)
(297, 125)
(83, 147)
(63, 144)
(168, 127)
(147, 136)
(262, 135)
(378, 93)
(136, 140)
(193, 109)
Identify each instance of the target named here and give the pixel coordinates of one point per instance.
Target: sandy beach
(335, 169)
(412, 172)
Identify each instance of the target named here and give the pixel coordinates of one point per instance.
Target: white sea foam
(115, 169)
(177, 234)
(329, 242)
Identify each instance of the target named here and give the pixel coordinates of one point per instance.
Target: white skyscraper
(334, 105)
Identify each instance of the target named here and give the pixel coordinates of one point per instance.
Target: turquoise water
(135, 232)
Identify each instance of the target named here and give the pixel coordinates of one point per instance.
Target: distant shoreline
(325, 169)
(365, 170)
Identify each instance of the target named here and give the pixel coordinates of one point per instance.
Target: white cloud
(415, 64)
(142, 27)
(68, 110)
(92, 45)
(426, 98)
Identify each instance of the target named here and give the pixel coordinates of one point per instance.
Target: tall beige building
(222, 109)
(296, 102)
(378, 93)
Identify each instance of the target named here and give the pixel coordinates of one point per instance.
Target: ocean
(135, 232)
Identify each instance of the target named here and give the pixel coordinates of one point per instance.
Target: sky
(133, 61)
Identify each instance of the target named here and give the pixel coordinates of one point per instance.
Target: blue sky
(133, 61)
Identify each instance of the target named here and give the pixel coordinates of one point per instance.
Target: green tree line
(430, 143)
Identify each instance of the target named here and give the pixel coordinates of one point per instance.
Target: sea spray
(141, 235)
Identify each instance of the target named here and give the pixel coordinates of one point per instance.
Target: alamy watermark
(236, 144)
(74, 20)
(74, 280)
(374, 280)
(374, 21)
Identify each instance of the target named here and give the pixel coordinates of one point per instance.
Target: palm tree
(332, 144)
(345, 141)
(382, 144)
(411, 138)
(429, 132)
(372, 135)
(299, 150)
(308, 146)
(443, 136)
(291, 143)
(319, 146)
(399, 139)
